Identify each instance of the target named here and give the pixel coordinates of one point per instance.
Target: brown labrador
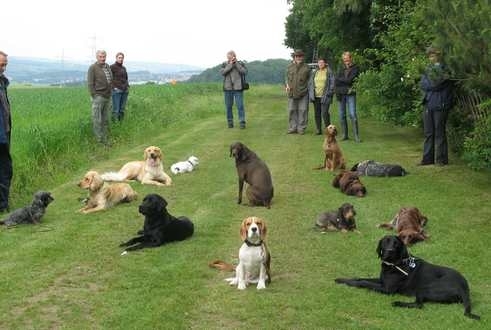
(254, 171)
(409, 223)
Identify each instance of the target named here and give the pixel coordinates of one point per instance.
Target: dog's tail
(222, 265)
(466, 300)
(113, 176)
(320, 167)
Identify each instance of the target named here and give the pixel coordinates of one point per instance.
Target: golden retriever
(333, 158)
(103, 196)
(148, 171)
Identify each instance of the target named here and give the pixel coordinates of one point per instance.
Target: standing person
(99, 79)
(297, 80)
(5, 129)
(232, 72)
(321, 89)
(346, 95)
(437, 101)
(120, 87)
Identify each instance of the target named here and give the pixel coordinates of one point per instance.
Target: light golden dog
(333, 158)
(103, 196)
(148, 171)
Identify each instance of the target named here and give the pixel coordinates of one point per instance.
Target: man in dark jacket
(437, 101)
(5, 129)
(296, 86)
(120, 87)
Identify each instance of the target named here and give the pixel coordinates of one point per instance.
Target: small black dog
(410, 276)
(31, 214)
(159, 227)
(343, 219)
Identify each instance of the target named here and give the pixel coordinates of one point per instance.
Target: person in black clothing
(437, 101)
(119, 86)
(5, 129)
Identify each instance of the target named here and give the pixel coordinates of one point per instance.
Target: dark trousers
(435, 146)
(321, 113)
(5, 176)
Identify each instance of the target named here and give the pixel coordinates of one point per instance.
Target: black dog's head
(239, 151)
(391, 249)
(42, 198)
(153, 205)
(347, 214)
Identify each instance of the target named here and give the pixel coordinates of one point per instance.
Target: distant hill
(46, 71)
(268, 72)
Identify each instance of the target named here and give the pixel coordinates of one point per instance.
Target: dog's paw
(261, 285)
(340, 280)
(241, 286)
(124, 252)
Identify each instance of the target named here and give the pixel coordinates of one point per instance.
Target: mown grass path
(68, 272)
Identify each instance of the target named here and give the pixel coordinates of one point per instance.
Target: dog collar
(190, 163)
(249, 243)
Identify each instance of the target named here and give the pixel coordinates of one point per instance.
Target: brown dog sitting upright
(333, 158)
(409, 223)
(349, 183)
(251, 169)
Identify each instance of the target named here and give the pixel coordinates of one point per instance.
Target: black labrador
(411, 276)
(254, 171)
(159, 227)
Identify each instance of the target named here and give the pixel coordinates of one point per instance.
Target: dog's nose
(254, 229)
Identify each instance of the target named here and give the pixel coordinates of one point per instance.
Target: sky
(193, 32)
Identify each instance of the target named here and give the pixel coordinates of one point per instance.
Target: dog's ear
(263, 227)
(95, 182)
(379, 248)
(335, 181)
(243, 230)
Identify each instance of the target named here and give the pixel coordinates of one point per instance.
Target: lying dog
(159, 227)
(373, 168)
(409, 223)
(185, 166)
(148, 171)
(343, 219)
(31, 214)
(333, 158)
(103, 196)
(411, 276)
(349, 183)
(254, 171)
(254, 256)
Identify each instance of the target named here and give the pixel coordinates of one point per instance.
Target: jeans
(230, 96)
(350, 102)
(119, 103)
(5, 176)
(435, 146)
(101, 108)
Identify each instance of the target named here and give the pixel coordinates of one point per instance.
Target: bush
(477, 146)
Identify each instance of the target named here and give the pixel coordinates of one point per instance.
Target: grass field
(68, 273)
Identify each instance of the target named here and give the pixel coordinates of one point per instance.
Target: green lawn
(68, 272)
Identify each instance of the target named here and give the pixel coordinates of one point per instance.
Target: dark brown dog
(254, 171)
(333, 158)
(349, 183)
(408, 223)
(343, 219)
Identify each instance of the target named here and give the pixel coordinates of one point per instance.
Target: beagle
(254, 257)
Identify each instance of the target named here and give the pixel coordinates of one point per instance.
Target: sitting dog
(185, 166)
(333, 158)
(349, 183)
(159, 227)
(343, 219)
(254, 171)
(409, 223)
(103, 196)
(31, 214)
(148, 171)
(373, 168)
(412, 276)
(254, 256)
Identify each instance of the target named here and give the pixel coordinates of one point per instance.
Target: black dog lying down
(373, 168)
(414, 277)
(31, 214)
(159, 227)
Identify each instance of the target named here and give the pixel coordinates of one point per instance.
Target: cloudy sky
(195, 32)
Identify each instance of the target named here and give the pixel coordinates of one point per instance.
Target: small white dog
(185, 166)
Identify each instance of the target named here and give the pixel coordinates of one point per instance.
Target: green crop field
(67, 273)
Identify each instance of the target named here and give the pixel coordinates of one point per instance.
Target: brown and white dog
(409, 223)
(103, 196)
(333, 158)
(148, 171)
(254, 257)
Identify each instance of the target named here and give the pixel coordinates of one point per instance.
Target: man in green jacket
(99, 79)
(297, 80)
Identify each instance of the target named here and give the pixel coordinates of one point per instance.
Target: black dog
(159, 227)
(31, 214)
(343, 219)
(373, 168)
(414, 277)
(254, 171)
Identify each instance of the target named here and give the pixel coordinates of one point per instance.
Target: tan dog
(333, 158)
(408, 223)
(103, 196)
(148, 171)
